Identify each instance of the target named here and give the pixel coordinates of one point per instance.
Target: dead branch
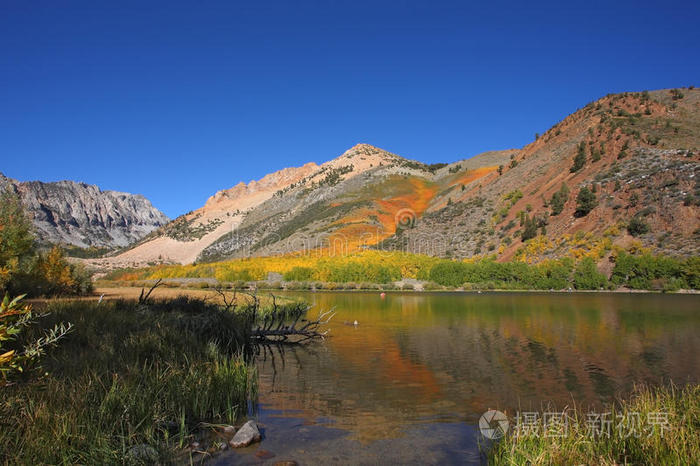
(143, 299)
(230, 304)
(269, 333)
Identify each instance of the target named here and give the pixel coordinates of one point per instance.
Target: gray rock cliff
(83, 215)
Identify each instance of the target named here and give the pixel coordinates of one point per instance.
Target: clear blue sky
(176, 100)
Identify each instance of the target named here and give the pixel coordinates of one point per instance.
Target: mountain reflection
(417, 358)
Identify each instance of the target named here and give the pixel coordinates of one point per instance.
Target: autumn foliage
(24, 269)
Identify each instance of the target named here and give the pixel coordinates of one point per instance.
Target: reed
(636, 435)
(127, 375)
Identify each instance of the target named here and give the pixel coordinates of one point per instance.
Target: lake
(410, 381)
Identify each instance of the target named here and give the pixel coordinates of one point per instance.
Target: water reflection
(418, 362)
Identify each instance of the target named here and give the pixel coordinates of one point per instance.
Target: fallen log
(291, 334)
(283, 324)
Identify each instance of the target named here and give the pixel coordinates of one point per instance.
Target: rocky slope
(70, 213)
(638, 155)
(349, 202)
(636, 152)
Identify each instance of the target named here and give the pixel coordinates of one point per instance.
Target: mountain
(78, 214)
(635, 156)
(353, 196)
(639, 156)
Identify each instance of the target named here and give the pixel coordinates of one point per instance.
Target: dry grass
(677, 445)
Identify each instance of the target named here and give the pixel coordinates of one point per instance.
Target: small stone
(264, 454)
(194, 445)
(229, 429)
(246, 435)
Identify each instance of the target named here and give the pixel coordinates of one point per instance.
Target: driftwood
(309, 330)
(282, 324)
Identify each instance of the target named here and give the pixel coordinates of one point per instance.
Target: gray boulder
(246, 435)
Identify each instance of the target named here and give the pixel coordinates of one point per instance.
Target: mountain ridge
(83, 215)
(237, 207)
(636, 152)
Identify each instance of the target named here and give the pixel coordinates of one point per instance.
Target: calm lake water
(409, 383)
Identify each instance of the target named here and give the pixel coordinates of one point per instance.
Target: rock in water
(246, 435)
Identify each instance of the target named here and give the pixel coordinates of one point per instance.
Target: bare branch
(230, 304)
(290, 334)
(143, 299)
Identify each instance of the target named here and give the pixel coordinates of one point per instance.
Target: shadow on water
(409, 383)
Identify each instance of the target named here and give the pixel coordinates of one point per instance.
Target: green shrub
(449, 273)
(24, 270)
(637, 226)
(655, 272)
(559, 198)
(587, 276)
(579, 159)
(690, 272)
(529, 230)
(585, 202)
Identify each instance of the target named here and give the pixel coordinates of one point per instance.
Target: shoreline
(129, 291)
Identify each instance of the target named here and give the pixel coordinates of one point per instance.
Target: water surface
(409, 382)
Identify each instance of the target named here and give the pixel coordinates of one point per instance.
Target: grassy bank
(126, 375)
(636, 434)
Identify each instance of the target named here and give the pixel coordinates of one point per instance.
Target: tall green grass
(678, 445)
(128, 375)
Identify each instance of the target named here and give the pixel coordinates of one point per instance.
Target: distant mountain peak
(81, 214)
(365, 149)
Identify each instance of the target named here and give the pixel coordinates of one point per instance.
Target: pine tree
(559, 199)
(580, 159)
(585, 202)
(16, 239)
(530, 230)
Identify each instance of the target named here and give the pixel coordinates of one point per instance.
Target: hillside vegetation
(622, 171)
(637, 270)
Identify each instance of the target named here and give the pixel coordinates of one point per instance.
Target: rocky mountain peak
(79, 214)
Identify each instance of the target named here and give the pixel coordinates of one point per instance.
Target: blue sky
(176, 100)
